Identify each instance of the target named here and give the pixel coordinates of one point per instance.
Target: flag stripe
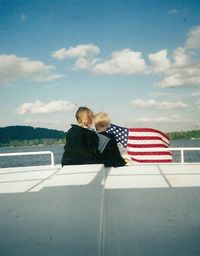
(148, 130)
(147, 145)
(141, 157)
(152, 160)
(149, 153)
(146, 138)
(146, 142)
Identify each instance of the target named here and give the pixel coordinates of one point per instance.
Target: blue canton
(121, 134)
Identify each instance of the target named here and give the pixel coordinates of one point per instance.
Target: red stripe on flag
(146, 138)
(149, 153)
(147, 145)
(148, 130)
(153, 161)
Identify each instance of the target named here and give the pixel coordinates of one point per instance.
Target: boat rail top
(181, 149)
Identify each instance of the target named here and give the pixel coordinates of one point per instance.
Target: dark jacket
(81, 147)
(111, 156)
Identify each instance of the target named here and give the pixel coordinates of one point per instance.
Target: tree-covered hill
(193, 134)
(27, 133)
(29, 136)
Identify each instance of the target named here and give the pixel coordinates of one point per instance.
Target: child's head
(84, 117)
(101, 122)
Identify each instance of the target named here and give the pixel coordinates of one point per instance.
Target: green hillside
(28, 136)
(184, 135)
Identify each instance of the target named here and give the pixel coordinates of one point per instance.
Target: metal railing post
(182, 156)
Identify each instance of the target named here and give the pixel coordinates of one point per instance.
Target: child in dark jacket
(110, 153)
(81, 142)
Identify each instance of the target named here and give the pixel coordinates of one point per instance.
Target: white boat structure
(89, 210)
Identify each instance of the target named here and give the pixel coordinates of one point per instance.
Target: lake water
(58, 151)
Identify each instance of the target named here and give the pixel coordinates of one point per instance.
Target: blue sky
(137, 60)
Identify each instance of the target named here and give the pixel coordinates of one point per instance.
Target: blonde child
(81, 142)
(110, 154)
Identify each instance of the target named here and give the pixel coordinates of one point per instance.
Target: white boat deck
(140, 210)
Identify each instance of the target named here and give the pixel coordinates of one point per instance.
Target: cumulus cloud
(181, 58)
(13, 68)
(179, 69)
(172, 12)
(198, 103)
(160, 94)
(181, 79)
(160, 62)
(88, 51)
(185, 65)
(139, 103)
(122, 62)
(34, 121)
(23, 17)
(193, 40)
(184, 70)
(83, 63)
(39, 107)
(196, 94)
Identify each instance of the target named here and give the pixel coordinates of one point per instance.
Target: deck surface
(141, 210)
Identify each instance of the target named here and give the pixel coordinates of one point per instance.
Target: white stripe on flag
(135, 142)
(148, 149)
(152, 157)
(151, 134)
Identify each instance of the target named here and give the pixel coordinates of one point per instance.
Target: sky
(139, 61)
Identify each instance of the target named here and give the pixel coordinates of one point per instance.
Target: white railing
(31, 153)
(181, 149)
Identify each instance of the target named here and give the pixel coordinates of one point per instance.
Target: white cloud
(122, 62)
(45, 108)
(88, 51)
(139, 103)
(184, 68)
(13, 68)
(193, 40)
(181, 58)
(34, 121)
(184, 71)
(172, 12)
(188, 76)
(198, 103)
(47, 123)
(83, 63)
(196, 94)
(160, 62)
(160, 120)
(179, 69)
(160, 94)
(23, 17)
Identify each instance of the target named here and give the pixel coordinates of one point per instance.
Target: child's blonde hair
(101, 121)
(84, 116)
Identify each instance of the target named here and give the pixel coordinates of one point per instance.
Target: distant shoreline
(28, 143)
(14, 136)
(55, 142)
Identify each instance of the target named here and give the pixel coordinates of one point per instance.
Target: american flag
(144, 145)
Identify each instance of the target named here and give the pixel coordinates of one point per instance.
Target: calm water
(30, 160)
(58, 151)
